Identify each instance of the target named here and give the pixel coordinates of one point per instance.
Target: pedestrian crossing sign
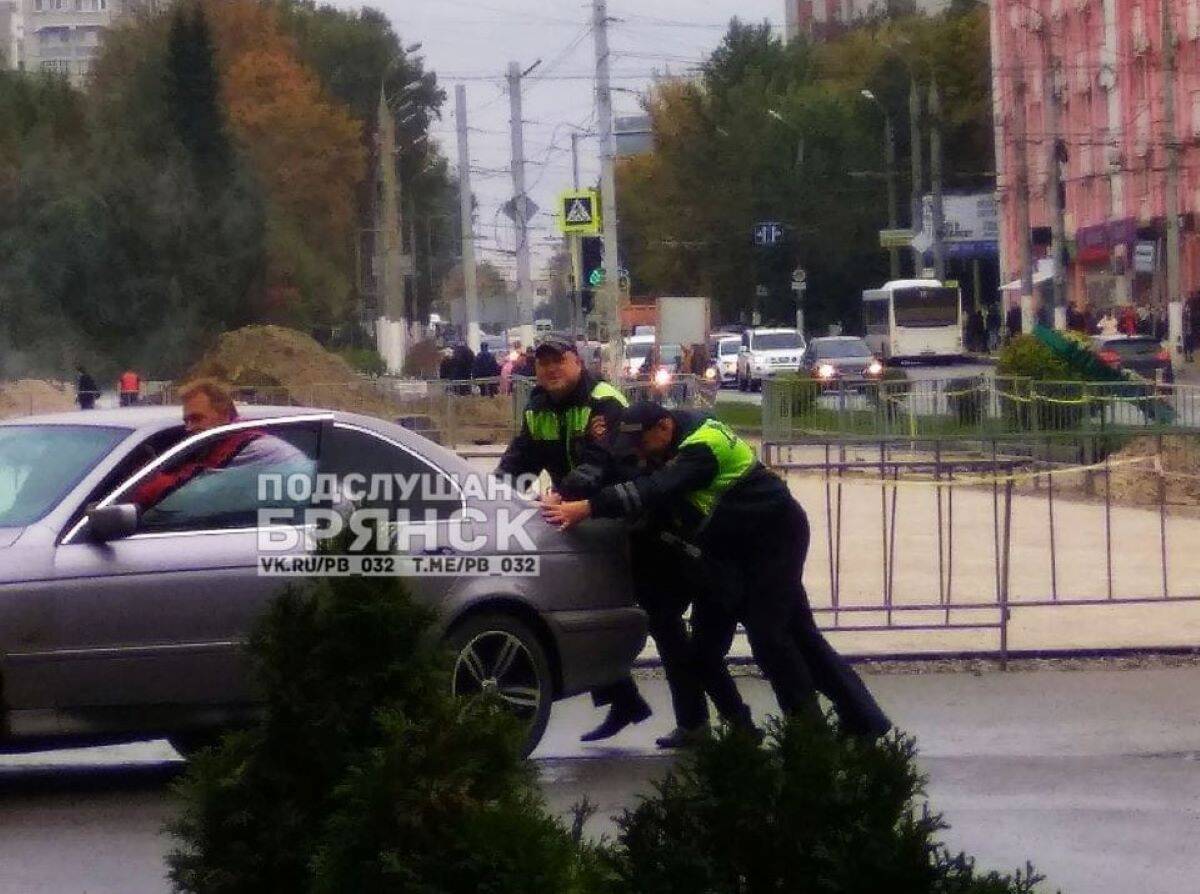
(579, 213)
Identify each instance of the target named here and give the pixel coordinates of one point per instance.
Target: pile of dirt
(272, 357)
(1138, 483)
(275, 365)
(27, 396)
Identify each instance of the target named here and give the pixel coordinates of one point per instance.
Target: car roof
(839, 338)
(147, 418)
(767, 330)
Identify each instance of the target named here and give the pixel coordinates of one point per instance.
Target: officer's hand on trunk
(565, 516)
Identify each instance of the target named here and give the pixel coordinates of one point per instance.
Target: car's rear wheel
(501, 655)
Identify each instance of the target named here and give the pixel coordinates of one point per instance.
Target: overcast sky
(472, 43)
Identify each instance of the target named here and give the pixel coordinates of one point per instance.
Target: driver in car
(206, 405)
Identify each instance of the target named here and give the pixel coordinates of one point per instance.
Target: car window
(39, 464)
(773, 341)
(729, 346)
(231, 494)
(638, 349)
(351, 451)
(826, 350)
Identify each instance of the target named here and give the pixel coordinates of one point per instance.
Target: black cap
(556, 342)
(636, 420)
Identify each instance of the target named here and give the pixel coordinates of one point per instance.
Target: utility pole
(390, 327)
(610, 293)
(576, 246)
(1024, 248)
(889, 136)
(520, 200)
(935, 175)
(889, 160)
(466, 218)
(917, 210)
(1054, 166)
(1171, 143)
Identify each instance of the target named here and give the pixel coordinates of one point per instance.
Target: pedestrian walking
(129, 385)
(486, 367)
(751, 538)
(1013, 321)
(86, 391)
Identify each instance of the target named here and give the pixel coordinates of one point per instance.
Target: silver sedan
(117, 624)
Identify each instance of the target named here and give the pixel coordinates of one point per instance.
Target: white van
(637, 349)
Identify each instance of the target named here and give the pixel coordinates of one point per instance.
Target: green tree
(813, 811)
(194, 92)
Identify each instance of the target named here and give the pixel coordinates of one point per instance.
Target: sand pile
(1139, 483)
(275, 365)
(26, 396)
(272, 356)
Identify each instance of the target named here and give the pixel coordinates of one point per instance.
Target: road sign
(1143, 257)
(579, 213)
(922, 242)
(529, 205)
(895, 238)
(799, 277)
(768, 233)
(762, 291)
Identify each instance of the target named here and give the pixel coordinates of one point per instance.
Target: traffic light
(587, 301)
(592, 253)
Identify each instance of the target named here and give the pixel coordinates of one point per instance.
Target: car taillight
(1111, 358)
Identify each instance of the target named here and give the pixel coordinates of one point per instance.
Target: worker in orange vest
(129, 386)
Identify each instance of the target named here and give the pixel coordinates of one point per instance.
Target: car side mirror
(112, 522)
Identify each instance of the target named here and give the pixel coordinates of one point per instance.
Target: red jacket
(155, 488)
(129, 382)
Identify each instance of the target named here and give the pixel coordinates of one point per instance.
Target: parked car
(723, 352)
(118, 625)
(768, 352)
(841, 357)
(1141, 354)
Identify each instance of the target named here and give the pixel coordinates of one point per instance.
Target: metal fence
(453, 412)
(976, 406)
(1009, 524)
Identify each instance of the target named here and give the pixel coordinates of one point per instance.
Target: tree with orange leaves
(306, 151)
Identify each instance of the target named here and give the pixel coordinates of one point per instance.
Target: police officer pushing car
(565, 429)
(751, 537)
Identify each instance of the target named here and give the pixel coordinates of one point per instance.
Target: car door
(160, 617)
(419, 491)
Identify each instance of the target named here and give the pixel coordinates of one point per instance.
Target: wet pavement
(1093, 775)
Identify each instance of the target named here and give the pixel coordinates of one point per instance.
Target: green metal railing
(973, 406)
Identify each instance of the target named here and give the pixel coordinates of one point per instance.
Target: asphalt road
(1092, 775)
(916, 372)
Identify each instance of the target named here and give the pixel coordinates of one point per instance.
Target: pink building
(1098, 66)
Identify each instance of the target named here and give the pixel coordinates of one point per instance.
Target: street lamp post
(889, 156)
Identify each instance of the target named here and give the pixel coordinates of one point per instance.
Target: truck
(682, 321)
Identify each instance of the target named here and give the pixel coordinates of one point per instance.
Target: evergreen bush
(813, 811)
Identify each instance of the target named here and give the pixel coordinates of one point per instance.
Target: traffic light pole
(575, 242)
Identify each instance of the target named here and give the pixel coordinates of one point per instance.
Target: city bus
(914, 319)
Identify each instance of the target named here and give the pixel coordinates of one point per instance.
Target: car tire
(525, 684)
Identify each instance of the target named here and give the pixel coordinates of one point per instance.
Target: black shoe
(746, 728)
(619, 717)
(684, 737)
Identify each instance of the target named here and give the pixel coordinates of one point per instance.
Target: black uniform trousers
(666, 581)
(761, 585)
